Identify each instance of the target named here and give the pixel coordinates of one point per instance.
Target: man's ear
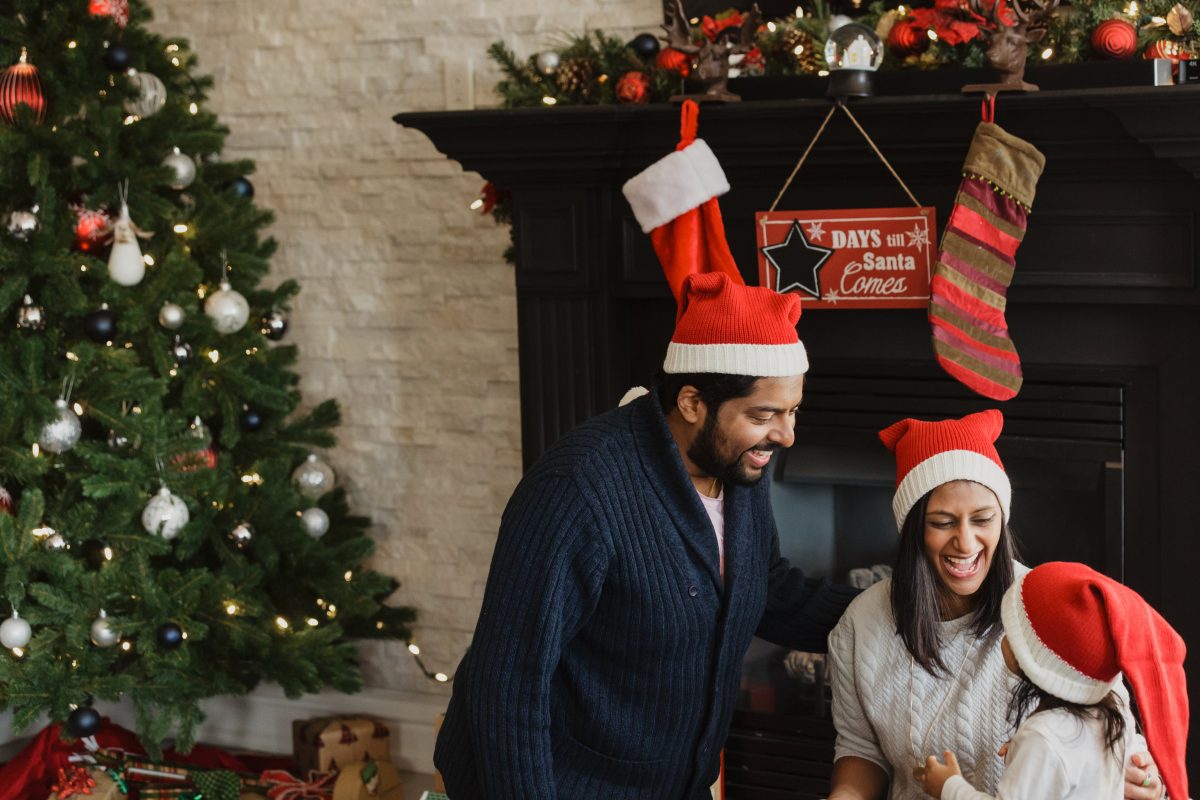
(690, 406)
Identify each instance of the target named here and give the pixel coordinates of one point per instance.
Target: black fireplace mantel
(1104, 308)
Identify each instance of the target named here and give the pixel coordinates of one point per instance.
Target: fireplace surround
(1102, 440)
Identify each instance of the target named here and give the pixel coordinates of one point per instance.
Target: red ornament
(72, 781)
(92, 229)
(1115, 39)
(673, 60)
(20, 85)
(907, 38)
(1166, 48)
(633, 87)
(6, 502)
(205, 458)
(117, 9)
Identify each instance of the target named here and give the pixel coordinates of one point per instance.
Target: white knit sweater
(872, 675)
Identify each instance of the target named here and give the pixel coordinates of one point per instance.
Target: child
(1070, 633)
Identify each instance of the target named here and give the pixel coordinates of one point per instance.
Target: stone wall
(407, 314)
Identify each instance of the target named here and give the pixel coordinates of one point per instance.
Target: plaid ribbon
(283, 785)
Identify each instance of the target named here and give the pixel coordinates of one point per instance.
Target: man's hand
(1142, 781)
(937, 773)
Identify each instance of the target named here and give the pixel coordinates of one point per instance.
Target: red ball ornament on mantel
(633, 87)
(907, 38)
(673, 60)
(20, 85)
(1115, 39)
(117, 9)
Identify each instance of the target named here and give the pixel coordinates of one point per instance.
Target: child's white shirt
(1055, 756)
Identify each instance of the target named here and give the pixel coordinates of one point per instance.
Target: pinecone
(576, 76)
(801, 49)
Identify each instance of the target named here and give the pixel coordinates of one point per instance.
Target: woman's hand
(937, 773)
(1142, 781)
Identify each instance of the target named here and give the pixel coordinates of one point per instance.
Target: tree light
(412, 646)
(549, 101)
(180, 227)
(282, 623)
(193, 108)
(231, 608)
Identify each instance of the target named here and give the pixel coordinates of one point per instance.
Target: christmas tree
(169, 535)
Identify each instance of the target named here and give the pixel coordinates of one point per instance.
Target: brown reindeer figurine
(712, 57)
(1008, 44)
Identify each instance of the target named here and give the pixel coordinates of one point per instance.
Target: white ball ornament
(313, 477)
(60, 435)
(125, 264)
(548, 62)
(15, 632)
(149, 97)
(227, 308)
(165, 514)
(183, 167)
(102, 633)
(315, 522)
(171, 316)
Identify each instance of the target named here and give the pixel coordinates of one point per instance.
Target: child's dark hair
(1027, 698)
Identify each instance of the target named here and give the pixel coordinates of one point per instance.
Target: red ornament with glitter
(92, 229)
(633, 87)
(673, 60)
(20, 85)
(1115, 39)
(117, 9)
(907, 38)
(6, 502)
(1166, 48)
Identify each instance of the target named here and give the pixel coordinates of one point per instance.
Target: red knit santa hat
(1074, 632)
(675, 201)
(929, 454)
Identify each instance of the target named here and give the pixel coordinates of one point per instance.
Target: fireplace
(1102, 440)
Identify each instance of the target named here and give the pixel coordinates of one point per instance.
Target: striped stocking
(976, 262)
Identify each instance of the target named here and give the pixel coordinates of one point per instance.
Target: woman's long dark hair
(1027, 698)
(917, 592)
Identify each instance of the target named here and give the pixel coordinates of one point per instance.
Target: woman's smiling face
(962, 528)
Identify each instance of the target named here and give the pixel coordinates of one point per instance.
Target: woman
(915, 662)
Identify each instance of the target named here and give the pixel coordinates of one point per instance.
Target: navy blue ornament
(83, 721)
(242, 188)
(169, 636)
(118, 58)
(101, 326)
(645, 45)
(252, 420)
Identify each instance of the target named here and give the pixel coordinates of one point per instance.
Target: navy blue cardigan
(607, 657)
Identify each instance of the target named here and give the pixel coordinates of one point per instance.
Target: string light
(932, 34)
(214, 356)
(232, 608)
(1047, 54)
(771, 26)
(348, 576)
(71, 356)
(312, 622)
(148, 260)
(78, 409)
(549, 101)
(180, 227)
(126, 646)
(477, 204)
(281, 623)
(193, 108)
(19, 652)
(252, 479)
(37, 451)
(440, 677)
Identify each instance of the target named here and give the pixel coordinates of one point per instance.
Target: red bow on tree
(73, 781)
(283, 785)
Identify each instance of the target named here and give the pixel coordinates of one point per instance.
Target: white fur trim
(1041, 664)
(952, 465)
(757, 360)
(676, 183)
(633, 394)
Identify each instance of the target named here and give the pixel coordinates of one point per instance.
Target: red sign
(849, 258)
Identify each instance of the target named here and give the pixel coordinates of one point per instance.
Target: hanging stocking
(976, 262)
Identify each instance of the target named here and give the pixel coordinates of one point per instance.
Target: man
(635, 562)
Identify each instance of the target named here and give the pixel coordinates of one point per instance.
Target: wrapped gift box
(328, 743)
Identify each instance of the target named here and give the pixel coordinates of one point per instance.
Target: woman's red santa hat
(929, 454)
(1074, 632)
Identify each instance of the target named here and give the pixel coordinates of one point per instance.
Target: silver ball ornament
(313, 477)
(31, 317)
(102, 633)
(181, 351)
(55, 541)
(23, 224)
(227, 309)
(547, 62)
(184, 168)
(150, 94)
(165, 514)
(241, 535)
(315, 522)
(60, 435)
(273, 325)
(171, 316)
(15, 632)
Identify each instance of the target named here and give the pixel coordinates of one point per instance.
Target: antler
(750, 25)
(679, 33)
(987, 11)
(1038, 13)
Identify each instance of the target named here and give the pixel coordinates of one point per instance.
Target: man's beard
(705, 453)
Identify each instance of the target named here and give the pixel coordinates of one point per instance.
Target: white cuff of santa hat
(674, 184)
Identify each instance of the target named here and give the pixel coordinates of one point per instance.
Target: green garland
(608, 59)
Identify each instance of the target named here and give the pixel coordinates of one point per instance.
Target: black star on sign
(797, 263)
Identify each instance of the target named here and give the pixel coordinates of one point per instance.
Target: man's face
(736, 444)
